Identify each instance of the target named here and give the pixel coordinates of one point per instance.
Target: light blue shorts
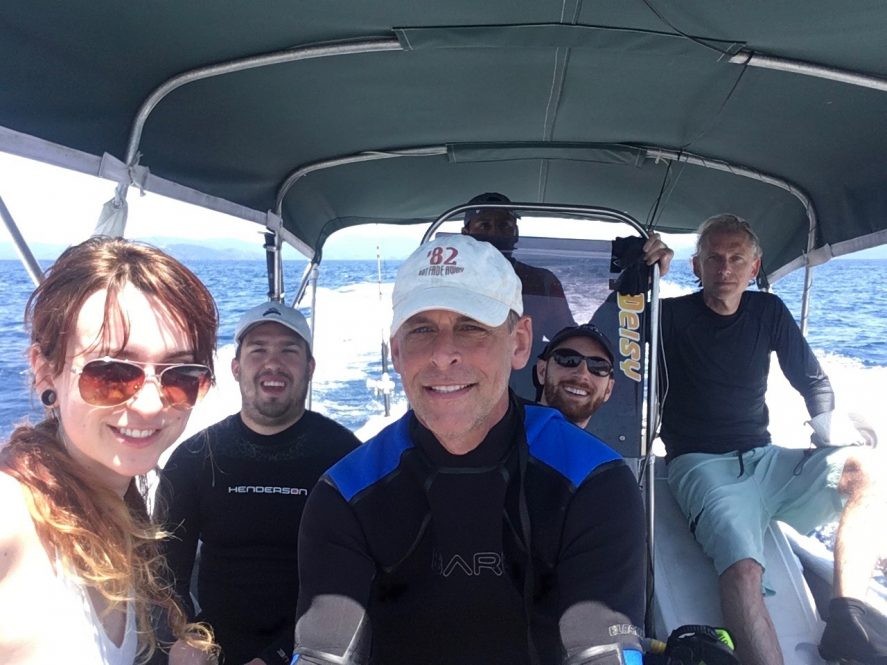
(728, 504)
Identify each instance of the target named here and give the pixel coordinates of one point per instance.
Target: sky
(54, 205)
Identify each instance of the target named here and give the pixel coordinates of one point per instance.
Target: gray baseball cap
(274, 312)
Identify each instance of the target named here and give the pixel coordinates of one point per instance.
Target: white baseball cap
(459, 274)
(275, 312)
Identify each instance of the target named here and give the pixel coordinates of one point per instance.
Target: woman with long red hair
(122, 341)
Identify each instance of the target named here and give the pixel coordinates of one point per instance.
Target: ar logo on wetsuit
(479, 562)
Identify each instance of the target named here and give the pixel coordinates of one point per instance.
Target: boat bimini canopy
(312, 117)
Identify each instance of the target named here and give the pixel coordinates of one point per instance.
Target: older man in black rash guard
(725, 474)
(475, 529)
(240, 487)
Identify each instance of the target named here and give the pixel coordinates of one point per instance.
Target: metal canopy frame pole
(753, 59)
(367, 156)
(649, 465)
(736, 169)
(372, 45)
(808, 284)
(604, 214)
(697, 160)
(297, 54)
(650, 152)
(21, 246)
(311, 272)
(303, 283)
(240, 64)
(805, 298)
(720, 165)
(656, 154)
(274, 265)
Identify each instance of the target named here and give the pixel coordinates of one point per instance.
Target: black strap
(523, 457)
(799, 467)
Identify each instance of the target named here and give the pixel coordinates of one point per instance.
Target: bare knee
(857, 477)
(742, 575)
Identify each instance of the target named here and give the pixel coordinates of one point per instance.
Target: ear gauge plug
(48, 397)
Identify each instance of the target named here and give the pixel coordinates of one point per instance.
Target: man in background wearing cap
(475, 529)
(239, 487)
(543, 293)
(574, 373)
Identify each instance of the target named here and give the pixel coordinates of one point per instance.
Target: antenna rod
(386, 393)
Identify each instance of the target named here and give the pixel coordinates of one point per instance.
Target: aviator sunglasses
(112, 382)
(569, 358)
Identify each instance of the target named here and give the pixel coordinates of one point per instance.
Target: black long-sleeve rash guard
(718, 368)
(242, 494)
(409, 554)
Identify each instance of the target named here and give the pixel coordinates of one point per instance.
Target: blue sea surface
(847, 318)
(848, 306)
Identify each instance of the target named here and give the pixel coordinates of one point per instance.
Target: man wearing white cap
(240, 486)
(475, 529)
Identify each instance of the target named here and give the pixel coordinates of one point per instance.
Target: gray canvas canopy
(393, 111)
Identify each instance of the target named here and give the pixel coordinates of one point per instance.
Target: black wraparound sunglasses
(569, 358)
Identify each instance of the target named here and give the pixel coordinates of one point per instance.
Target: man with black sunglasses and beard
(574, 373)
(239, 488)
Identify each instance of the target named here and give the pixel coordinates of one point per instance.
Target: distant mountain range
(226, 249)
(211, 250)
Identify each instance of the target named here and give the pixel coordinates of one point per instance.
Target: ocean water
(848, 329)
(348, 350)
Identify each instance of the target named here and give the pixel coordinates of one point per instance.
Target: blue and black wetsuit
(408, 554)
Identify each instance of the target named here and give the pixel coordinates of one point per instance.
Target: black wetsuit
(431, 549)
(242, 494)
(717, 372)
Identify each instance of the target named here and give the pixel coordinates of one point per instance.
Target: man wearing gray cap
(476, 529)
(240, 486)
